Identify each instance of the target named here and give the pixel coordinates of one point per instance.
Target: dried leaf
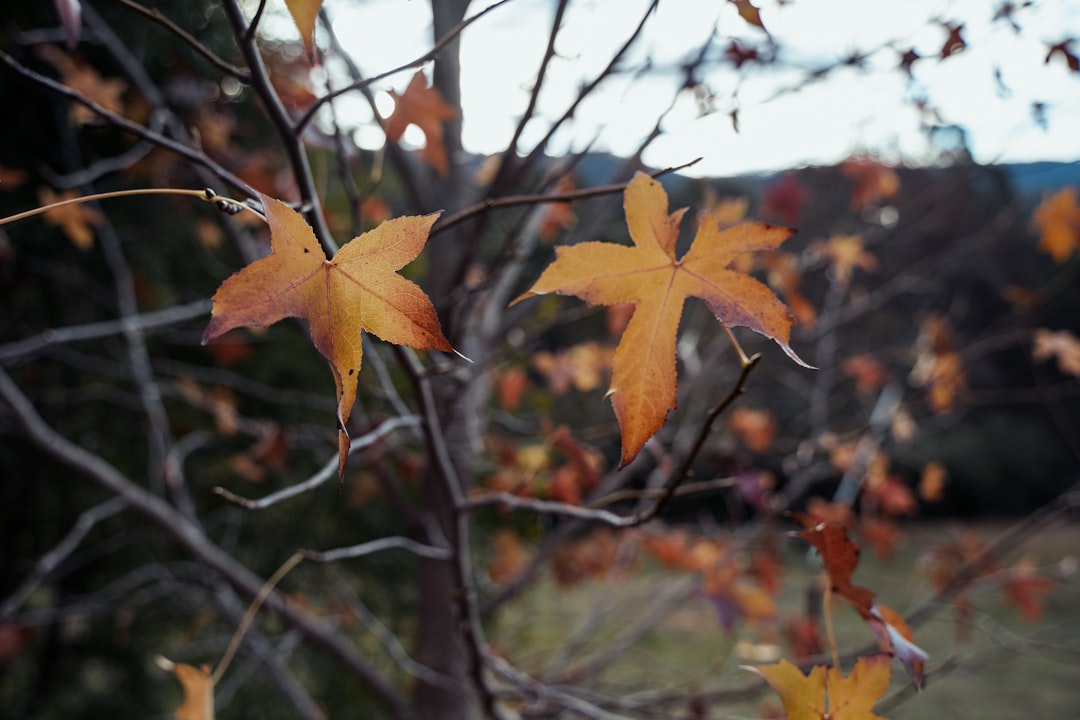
(845, 253)
(932, 482)
(198, 690)
(643, 384)
(756, 428)
(358, 290)
(749, 13)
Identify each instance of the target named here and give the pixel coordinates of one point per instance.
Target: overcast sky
(850, 111)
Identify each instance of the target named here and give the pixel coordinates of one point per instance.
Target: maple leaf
(1061, 344)
(1057, 218)
(358, 290)
(869, 374)
(74, 220)
(785, 199)
(840, 556)
(643, 381)
(423, 106)
(303, 14)
(756, 428)
(872, 181)
(86, 81)
(825, 694)
(198, 687)
(932, 482)
(845, 253)
(1022, 588)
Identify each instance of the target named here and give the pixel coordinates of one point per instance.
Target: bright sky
(850, 111)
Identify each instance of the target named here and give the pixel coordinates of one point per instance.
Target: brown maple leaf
(358, 289)
(749, 12)
(423, 106)
(643, 382)
(85, 80)
(845, 253)
(954, 43)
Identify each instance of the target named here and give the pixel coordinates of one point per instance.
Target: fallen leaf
(423, 106)
(358, 290)
(303, 14)
(75, 221)
(643, 383)
(825, 694)
(1061, 344)
(1057, 218)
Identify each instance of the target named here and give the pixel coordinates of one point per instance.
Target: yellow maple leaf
(303, 14)
(825, 694)
(643, 382)
(1057, 218)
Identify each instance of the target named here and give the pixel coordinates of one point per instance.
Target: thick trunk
(439, 642)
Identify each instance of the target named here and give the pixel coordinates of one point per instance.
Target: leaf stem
(225, 204)
(249, 616)
(743, 359)
(829, 633)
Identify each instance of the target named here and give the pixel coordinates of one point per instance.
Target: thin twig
(195, 155)
(309, 114)
(448, 221)
(374, 546)
(156, 16)
(327, 471)
(36, 344)
(194, 540)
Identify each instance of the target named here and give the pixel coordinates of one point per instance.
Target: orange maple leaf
(358, 289)
(1057, 218)
(643, 382)
(303, 14)
(198, 684)
(845, 253)
(825, 694)
(74, 220)
(423, 106)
